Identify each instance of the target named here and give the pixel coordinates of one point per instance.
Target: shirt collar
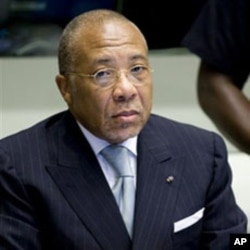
(98, 144)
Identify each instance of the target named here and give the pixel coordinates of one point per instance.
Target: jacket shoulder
(179, 134)
(33, 131)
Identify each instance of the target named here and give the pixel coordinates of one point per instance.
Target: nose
(124, 89)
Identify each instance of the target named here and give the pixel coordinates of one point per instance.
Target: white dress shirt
(98, 145)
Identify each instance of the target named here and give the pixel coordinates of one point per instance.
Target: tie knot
(117, 157)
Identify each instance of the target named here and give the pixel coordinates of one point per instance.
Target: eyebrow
(108, 60)
(138, 56)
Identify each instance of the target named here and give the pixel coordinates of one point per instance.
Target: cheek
(146, 96)
(90, 103)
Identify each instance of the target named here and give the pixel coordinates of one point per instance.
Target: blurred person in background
(221, 38)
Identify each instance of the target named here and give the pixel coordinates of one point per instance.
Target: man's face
(119, 110)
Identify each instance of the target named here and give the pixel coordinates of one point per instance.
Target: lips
(126, 113)
(126, 117)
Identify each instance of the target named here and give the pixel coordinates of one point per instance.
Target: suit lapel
(76, 172)
(78, 175)
(157, 189)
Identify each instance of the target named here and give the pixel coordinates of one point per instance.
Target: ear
(64, 88)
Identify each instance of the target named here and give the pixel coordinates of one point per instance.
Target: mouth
(126, 116)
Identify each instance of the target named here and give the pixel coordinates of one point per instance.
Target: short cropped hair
(68, 51)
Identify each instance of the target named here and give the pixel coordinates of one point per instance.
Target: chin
(121, 137)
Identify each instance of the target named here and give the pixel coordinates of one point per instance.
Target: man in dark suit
(56, 186)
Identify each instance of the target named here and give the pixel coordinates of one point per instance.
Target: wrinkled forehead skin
(109, 35)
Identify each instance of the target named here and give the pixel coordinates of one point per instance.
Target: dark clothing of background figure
(221, 37)
(164, 23)
(54, 192)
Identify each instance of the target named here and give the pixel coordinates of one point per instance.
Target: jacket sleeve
(18, 229)
(222, 214)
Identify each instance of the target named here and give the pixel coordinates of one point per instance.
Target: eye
(103, 74)
(138, 69)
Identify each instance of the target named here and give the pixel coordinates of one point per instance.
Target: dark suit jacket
(53, 194)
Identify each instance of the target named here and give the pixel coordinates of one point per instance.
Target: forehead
(106, 41)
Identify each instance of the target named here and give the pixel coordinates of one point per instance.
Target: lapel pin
(170, 179)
